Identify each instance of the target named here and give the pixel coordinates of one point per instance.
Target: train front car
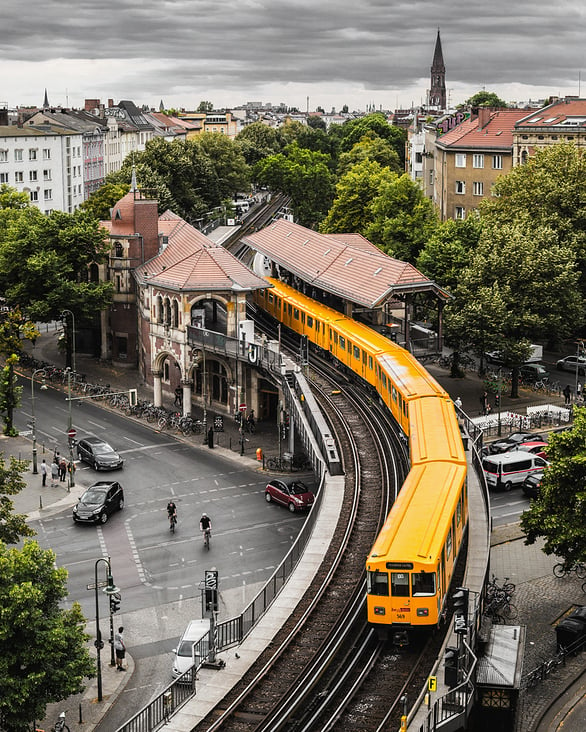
(411, 563)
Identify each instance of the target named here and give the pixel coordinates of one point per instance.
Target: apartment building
(564, 120)
(461, 164)
(46, 163)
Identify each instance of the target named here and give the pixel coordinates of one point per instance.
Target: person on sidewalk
(120, 649)
(178, 397)
(44, 473)
(568, 394)
(62, 470)
(54, 473)
(458, 403)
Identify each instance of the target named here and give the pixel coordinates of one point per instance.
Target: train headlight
(379, 611)
(422, 612)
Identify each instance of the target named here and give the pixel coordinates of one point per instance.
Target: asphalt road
(159, 573)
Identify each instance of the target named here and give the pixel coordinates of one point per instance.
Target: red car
(296, 495)
(537, 448)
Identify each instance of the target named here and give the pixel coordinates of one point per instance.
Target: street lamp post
(70, 433)
(63, 314)
(34, 421)
(110, 589)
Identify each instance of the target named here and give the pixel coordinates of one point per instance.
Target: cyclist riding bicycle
(205, 525)
(172, 512)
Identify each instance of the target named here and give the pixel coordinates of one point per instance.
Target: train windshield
(423, 583)
(399, 584)
(378, 583)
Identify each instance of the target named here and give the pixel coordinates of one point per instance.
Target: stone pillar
(186, 402)
(158, 388)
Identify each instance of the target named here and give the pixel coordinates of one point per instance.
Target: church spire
(437, 93)
(46, 101)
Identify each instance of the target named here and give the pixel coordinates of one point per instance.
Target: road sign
(95, 585)
(242, 407)
(25, 433)
(71, 433)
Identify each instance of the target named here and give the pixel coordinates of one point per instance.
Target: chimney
(483, 117)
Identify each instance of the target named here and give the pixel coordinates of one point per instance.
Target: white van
(184, 658)
(511, 468)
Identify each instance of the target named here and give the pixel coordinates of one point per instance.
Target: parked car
(508, 443)
(99, 454)
(570, 363)
(99, 501)
(494, 357)
(533, 372)
(532, 484)
(536, 448)
(296, 495)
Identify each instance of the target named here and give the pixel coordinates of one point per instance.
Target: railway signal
(461, 610)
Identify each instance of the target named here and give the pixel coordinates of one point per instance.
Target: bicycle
(207, 534)
(172, 522)
(562, 570)
(60, 725)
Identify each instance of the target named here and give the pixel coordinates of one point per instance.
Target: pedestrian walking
(211, 437)
(578, 391)
(568, 394)
(120, 649)
(62, 470)
(54, 473)
(458, 403)
(178, 397)
(44, 471)
(483, 402)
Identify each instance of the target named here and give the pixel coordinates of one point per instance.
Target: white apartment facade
(44, 162)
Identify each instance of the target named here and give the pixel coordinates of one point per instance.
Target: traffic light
(211, 590)
(461, 610)
(451, 667)
(115, 603)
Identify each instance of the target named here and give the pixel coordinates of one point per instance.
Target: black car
(99, 454)
(532, 484)
(99, 501)
(517, 438)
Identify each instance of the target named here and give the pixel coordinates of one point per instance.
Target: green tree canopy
(402, 218)
(231, 170)
(13, 526)
(205, 106)
(305, 176)
(485, 99)
(258, 141)
(104, 199)
(558, 514)
(44, 264)
(373, 124)
(355, 192)
(525, 282)
(43, 648)
(370, 147)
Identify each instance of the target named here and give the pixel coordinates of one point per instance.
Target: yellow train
(412, 561)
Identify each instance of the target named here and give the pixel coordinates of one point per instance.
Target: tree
(370, 147)
(43, 648)
(485, 99)
(258, 141)
(373, 124)
(355, 192)
(520, 286)
(227, 160)
(13, 526)
(205, 107)
(316, 122)
(558, 514)
(305, 176)
(101, 201)
(10, 394)
(402, 218)
(10, 198)
(14, 328)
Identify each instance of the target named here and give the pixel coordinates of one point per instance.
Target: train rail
(327, 621)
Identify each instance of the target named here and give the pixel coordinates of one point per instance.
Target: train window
(342, 343)
(449, 544)
(384, 380)
(378, 583)
(370, 362)
(394, 394)
(423, 583)
(296, 313)
(405, 408)
(271, 298)
(278, 299)
(336, 337)
(356, 352)
(289, 309)
(303, 318)
(364, 357)
(399, 584)
(309, 321)
(459, 511)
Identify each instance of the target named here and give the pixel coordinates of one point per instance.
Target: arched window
(94, 272)
(175, 317)
(118, 249)
(159, 309)
(167, 315)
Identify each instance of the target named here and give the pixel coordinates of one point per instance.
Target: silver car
(570, 363)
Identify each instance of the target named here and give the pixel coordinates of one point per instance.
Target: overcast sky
(336, 52)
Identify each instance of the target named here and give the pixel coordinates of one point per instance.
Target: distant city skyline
(298, 52)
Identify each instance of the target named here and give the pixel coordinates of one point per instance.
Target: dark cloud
(179, 50)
